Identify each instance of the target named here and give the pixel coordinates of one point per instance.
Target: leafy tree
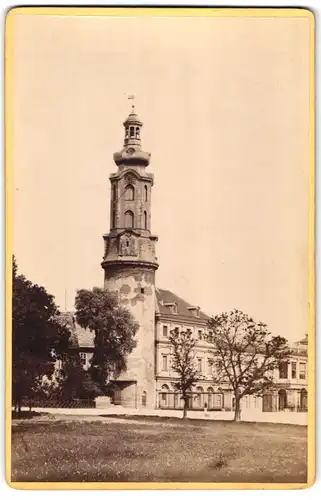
(114, 328)
(74, 381)
(246, 354)
(183, 355)
(38, 338)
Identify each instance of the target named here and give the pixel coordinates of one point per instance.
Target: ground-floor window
(282, 399)
(303, 399)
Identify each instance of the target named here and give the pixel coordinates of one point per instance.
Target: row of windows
(284, 370)
(129, 193)
(130, 219)
(200, 334)
(165, 365)
(283, 374)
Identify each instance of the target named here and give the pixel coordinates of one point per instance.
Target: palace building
(130, 264)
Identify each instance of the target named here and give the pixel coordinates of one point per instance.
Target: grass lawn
(158, 450)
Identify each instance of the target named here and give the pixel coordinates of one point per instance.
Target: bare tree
(183, 355)
(246, 355)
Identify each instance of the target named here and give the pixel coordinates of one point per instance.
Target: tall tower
(130, 262)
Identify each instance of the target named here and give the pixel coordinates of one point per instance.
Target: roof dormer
(172, 306)
(195, 310)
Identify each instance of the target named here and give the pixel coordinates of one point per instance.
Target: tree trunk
(185, 407)
(237, 412)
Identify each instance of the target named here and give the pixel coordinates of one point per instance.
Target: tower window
(129, 219)
(145, 193)
(145, 219)
(114, 192)
(142, 291)
(113, 222)
(132, 131)
(137, 132)
(129, 193)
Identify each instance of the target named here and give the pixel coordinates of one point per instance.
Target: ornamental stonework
(130, 179)
(128, 246)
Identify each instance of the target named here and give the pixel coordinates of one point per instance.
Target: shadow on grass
(189, 421)
(24, 415)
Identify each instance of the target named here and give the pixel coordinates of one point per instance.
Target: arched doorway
(303, 399)
(219, 398)
(115, 395)
(282, 400)
(210, 392)
(199, 397)
(144, 398)
(164, 395)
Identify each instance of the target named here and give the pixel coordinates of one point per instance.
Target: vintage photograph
(160, 172)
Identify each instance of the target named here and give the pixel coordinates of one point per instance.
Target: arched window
(132, 131)
(137, 132)
(145, 219)
(127, 133)
(129, 219)
(145, 193)
(129, 193)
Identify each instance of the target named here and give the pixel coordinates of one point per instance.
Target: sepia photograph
(160, 220)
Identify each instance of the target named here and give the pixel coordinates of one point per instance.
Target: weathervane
(132, 96)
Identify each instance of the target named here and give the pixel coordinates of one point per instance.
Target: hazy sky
(225, 109)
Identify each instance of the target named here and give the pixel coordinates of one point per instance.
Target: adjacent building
(130, 265)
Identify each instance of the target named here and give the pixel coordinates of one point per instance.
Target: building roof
(303, 341)
(184, 311)
(80, 337)
(84, 338)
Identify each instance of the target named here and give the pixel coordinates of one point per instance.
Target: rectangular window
(165, 331)
(200, 334)
(293, 369)
(302, 371)
(210, 337)
(164, 363)
(199, 364)
(210, 367)
(283, 370)
(83, 358)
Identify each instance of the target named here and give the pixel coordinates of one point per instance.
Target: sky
(224, 104)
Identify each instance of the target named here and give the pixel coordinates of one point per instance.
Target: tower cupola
(132, 153)
(132, 126)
